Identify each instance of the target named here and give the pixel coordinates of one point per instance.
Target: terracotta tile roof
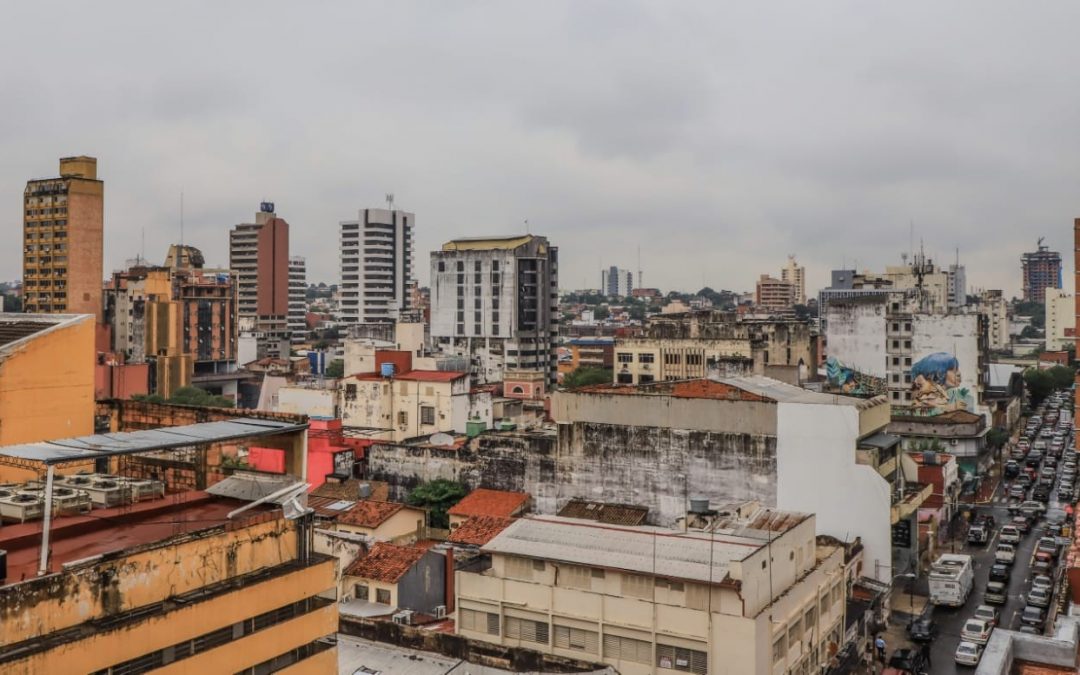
(386, 562)
(350, 489)
(321, 506)
(370, 513)
(614, 514)
(479, 530)
(485, 502)
(1031, 668)
(697, 388)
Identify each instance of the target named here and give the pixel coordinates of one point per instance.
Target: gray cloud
(718, 137)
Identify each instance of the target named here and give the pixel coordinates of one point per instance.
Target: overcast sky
(717, 136)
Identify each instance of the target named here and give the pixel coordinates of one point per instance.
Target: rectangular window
(477, 266)
(779, 649)
(810, 620)
(478, 303)
(577, 639)
(519, 568)
(402, 418)
(574, 576)
(637, 586)
(382, 596)
(625, 357)
(427, 414)
(646, 358)
(680, 658)
(627, 649)
(479, 622)
(360, 592)
(693, 359)
(794, 633)
(527, 630)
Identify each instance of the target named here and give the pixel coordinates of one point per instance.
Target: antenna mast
(640, 282)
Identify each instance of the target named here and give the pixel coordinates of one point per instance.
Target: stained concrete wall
(856, 334)
(706, 414)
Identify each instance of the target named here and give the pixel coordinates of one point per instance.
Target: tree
(927, 445)
(996, 438)
(189, 396)
(12, 303)
(437, 497)
(601, 312)
(586, 375)
(1062, 376)
(1040, 384)
(1029, 332)
(335, 368)
(637, 311)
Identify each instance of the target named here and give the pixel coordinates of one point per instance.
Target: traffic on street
(1005, 572)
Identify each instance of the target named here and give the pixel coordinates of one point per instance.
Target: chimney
(449, 579)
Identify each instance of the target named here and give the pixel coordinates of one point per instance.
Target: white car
(1005, 553)
(1010, 535)
(987, 614)
(968, 653)
(977, 631)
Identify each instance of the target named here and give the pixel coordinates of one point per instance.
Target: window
(526, 630)
(693, 359)
(646, 358)
(577, 639)
(907, 326)
(697, 596)
(896, 327)
(896, 360)
(480, 622)
(907, 344)
(907, 360)
(427, 414)
(896, 344)
(382, 596)
(477, 303)
(637, 586)
(350, 392)
(825, 604)
(460, 266)
(460, 304)
(574, 576)
(360, 592)
(675, 586)
(680, 658)
(402, 418)
(672, 359)
(810, 620)
(794, 633)
(519, 568)
(627, 649)
(625, 357)
(779, 649)
(477, 266)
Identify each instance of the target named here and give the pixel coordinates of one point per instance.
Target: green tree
(335, 368)
(1040, 384)
(437, 497)
(997, 437)
(1062, 376)
(1030, 332)
(601, 312)
(926, 445)
(188, 396)
(586, 375)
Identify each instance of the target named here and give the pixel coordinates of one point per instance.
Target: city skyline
(929, 132)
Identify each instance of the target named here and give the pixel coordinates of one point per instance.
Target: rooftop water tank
(386, 369)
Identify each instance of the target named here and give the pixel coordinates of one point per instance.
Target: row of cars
(1039, 463)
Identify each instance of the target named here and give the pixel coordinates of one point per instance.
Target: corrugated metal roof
(643, 550)
(84, 448)
(881, 440)
(250, 487)
(783, 392)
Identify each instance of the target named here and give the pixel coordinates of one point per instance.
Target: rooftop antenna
(142, 247)
(640, 281)
(390, 200)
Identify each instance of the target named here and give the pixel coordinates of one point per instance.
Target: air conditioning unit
(440, 612)
(22, 507)
(403, 618)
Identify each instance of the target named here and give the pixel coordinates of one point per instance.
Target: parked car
(1042, 581)
(908, 660)
(1042, 563)
(1047, 545)
(1018, 492)
(1010, 535)
(1022, 523)
(997, 593)
(1034, 617)
(1041, 493)
(968, 653)
(1012, 469)
(999, 572)
(1005, 553)
(1039, 597)
(1032, 508)
(922, 629)
(987, 614)
(977, 631)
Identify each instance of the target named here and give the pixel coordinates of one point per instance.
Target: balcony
(909, 501)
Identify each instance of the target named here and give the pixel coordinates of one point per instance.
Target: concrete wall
(423, 588)
(705, 414)
(816, 473)
(856, 335)
(304, 401)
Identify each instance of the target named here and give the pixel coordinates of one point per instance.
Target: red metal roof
(386, 562)
(479, 530)
(369, 513)
(485, 502)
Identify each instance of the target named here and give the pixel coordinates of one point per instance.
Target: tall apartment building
(259, 258)
(774, 294)
(1041, 269)
(495, 300)
(376, 265)
(297, 298)
(744, 590)
(993, 304)
(616, 281)
(62, 215)
(1060, 309)
(795, 274)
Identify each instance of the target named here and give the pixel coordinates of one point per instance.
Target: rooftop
(17, 329)
(414, 375)
(613, 514)
(485, 502)
(76, 538)
(748, 388)
(386, 562)
(370, 513)
(487, 243)
(693, 556)
(350, 489)
(479, 530)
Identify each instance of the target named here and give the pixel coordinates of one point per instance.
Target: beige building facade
(795, 274)
(752, 592)
(1060, 318)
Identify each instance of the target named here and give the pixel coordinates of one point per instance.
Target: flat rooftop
(74, 538)
(747, 388)
(16, 328)
(693, 556)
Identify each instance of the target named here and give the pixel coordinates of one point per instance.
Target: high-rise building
(616, 281)
(259, 258)
(774, 294)
(795, 274)
(993, 304)
(1041, 269)
(63, 215)
(495, 300)
(376, 265)
(297, 298)
(1060, 318)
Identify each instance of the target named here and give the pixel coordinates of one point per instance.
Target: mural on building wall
(937, 386)
(852, 382)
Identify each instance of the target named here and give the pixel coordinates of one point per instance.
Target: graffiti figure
(937, 385)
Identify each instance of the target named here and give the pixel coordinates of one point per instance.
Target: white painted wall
(816, 473)
(305, 401)
(856, 336)
(956, 334)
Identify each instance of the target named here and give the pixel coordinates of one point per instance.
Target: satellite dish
(441, 439)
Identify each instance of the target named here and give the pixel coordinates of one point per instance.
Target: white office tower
(376, 265)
